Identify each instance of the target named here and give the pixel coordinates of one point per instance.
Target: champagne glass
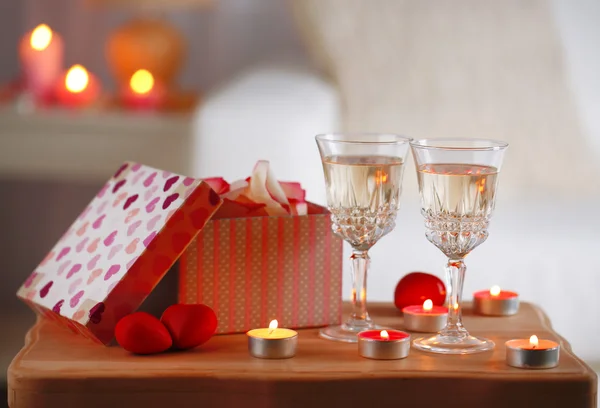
(458, 179)
(363, 177)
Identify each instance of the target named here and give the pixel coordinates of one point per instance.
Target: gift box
(118, 249)
(251, 270)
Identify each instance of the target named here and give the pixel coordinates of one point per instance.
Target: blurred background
(208, 87)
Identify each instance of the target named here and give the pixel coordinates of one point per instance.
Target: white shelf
(90, 145)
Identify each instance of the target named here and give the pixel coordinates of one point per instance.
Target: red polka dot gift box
(118, 249)
(266, 254)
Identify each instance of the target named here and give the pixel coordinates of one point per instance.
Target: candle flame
(77, 79)
(273, 325)
(384, 335)
(455, 306)
(427, 305)
(141, 81)
(533, 341)
(41, 37)
(495, 290)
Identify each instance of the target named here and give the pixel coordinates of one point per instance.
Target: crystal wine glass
(458, 179)
(363, 177)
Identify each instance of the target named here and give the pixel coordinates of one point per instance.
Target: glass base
(453, 345)
(345, 332)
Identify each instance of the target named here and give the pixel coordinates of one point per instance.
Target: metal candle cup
(495, 302)
(426, 318)
(272, 343)
(384, 344)
(532, 353)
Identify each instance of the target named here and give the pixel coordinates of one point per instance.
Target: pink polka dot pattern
(253, 270)
(118, 249)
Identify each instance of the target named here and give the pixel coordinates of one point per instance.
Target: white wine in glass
(362, 195)
(363, 177)
(458, 179)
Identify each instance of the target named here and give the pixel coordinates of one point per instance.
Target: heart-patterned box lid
(119, 248)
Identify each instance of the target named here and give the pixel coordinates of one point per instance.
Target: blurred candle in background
(41, 54)
(143, 92)
(79, 88)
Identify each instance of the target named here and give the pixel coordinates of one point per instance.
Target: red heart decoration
(142, 333)
(416, 287)
(189, 325)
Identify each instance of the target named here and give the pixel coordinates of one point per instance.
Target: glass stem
(360, 265)
(455, 276)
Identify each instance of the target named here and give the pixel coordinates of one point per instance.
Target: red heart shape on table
(142, 333)
(189, 325)
(416, 287)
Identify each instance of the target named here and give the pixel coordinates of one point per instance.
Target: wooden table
(58, 369)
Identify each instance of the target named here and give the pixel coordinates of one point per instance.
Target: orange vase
(150, 44)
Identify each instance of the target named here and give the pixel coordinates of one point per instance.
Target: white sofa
(541, 246)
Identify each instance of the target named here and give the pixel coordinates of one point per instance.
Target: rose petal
(298, 207)
(293, 190)
(218, 184)
(264, 186)
(265, 189)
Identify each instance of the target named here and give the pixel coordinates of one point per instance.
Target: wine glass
(363, 177)
(458, 179)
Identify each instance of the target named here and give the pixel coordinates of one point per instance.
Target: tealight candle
(495, 302)
(78, 89)
(272, 342)
(426, 319)
(532, 353)
(143, 92)
(41, 54)
(384, 344)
